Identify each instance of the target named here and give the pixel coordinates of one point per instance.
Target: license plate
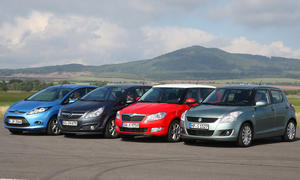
(131, 125)
(199, 126)
(15, 121)
(69, 123)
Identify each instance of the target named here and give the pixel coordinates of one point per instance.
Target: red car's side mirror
(190, 101)
(137, 98)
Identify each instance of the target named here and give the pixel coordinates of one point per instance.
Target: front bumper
(216, 132)
(144, 128)
(84, 126)
(29, 122)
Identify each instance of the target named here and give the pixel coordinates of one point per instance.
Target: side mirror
(190, 101)
(137, 98)
(260, 104)
(71, 101)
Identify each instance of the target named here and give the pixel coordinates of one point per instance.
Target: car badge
(200, 120)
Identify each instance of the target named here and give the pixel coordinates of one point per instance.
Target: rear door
(281, 108)
(264, 116)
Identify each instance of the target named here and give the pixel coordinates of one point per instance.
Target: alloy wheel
(175, 132)
(246, 135)
(291, 131)
(54, 127)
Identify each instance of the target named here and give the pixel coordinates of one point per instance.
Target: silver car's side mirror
(261, 103)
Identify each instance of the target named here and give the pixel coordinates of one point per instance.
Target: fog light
(38, 122)
(226, 132)
(117, 128)
(156, 129)
(92, 127)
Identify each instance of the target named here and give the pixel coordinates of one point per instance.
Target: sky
(36, 33)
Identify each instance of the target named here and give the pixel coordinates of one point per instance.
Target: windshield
(104, 94)
(50, 94)
(231, 97)
(164, 95)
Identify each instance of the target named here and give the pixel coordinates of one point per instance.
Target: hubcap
(55, 129)
(246, 135)
(175, 132)
(112, 130)
(291, 131)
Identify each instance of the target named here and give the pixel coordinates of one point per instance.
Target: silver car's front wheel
(290, 132)
(245, 135)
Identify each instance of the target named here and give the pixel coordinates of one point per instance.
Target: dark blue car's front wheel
(53, 128)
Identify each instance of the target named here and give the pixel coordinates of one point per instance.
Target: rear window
(277, 96)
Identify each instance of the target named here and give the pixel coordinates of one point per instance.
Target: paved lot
(37, 156)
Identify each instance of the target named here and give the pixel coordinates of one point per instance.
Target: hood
(151, 108)
(84, 106)
(26, 106)
(215, 111)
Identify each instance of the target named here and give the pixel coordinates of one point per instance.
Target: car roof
(183, 86)
(127, 85)
(73, 86)
(246, 86)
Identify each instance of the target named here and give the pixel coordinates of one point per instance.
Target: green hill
(190, 63)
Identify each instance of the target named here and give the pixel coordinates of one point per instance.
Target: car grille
(200, 132)
(138, 130)
(25, 123)
(69, 128)
(203, 120)
(16, 111)
(133, 117)
(71, 115)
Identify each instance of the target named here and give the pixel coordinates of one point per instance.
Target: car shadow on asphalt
(146, 139)
(259, 142)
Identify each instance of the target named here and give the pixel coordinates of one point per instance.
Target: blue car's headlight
(38, 110)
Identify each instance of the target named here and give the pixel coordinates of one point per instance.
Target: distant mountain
(190, 63)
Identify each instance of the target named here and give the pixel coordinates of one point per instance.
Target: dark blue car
(39, 111)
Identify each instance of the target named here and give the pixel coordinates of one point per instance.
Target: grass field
(8, 98)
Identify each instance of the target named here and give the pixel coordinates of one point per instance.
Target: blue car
(39, 111)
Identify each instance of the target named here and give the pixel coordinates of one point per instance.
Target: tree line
(34, 85)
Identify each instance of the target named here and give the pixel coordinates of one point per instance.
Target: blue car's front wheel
(53, 128)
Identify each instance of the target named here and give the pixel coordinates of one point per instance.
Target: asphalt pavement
(38, 156)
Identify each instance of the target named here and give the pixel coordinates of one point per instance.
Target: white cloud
(40, 39)
(256, 13)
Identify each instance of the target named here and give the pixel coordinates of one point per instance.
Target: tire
(174, 132)
(53, 128)
(15, 131)
(290, 132)
(245, 137)
(110, 131)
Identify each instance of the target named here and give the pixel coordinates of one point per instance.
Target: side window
(76, 95)
(133, 93)
(276, 96)
(262, 95)
(194, 93)
(89, 90)
(205, 92)
(116, 93)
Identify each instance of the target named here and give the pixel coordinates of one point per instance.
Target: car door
(281, 109)
(264, 115)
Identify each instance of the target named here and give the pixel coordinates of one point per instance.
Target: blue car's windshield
(230, 97)
(104, 94)
(50, 94)
(164, 95)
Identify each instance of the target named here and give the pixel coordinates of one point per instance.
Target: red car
(159, 110)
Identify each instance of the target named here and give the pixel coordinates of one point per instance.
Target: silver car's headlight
(183, 116)
(156, 116)
(94, 113)
(38, 110)
(228, 118)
